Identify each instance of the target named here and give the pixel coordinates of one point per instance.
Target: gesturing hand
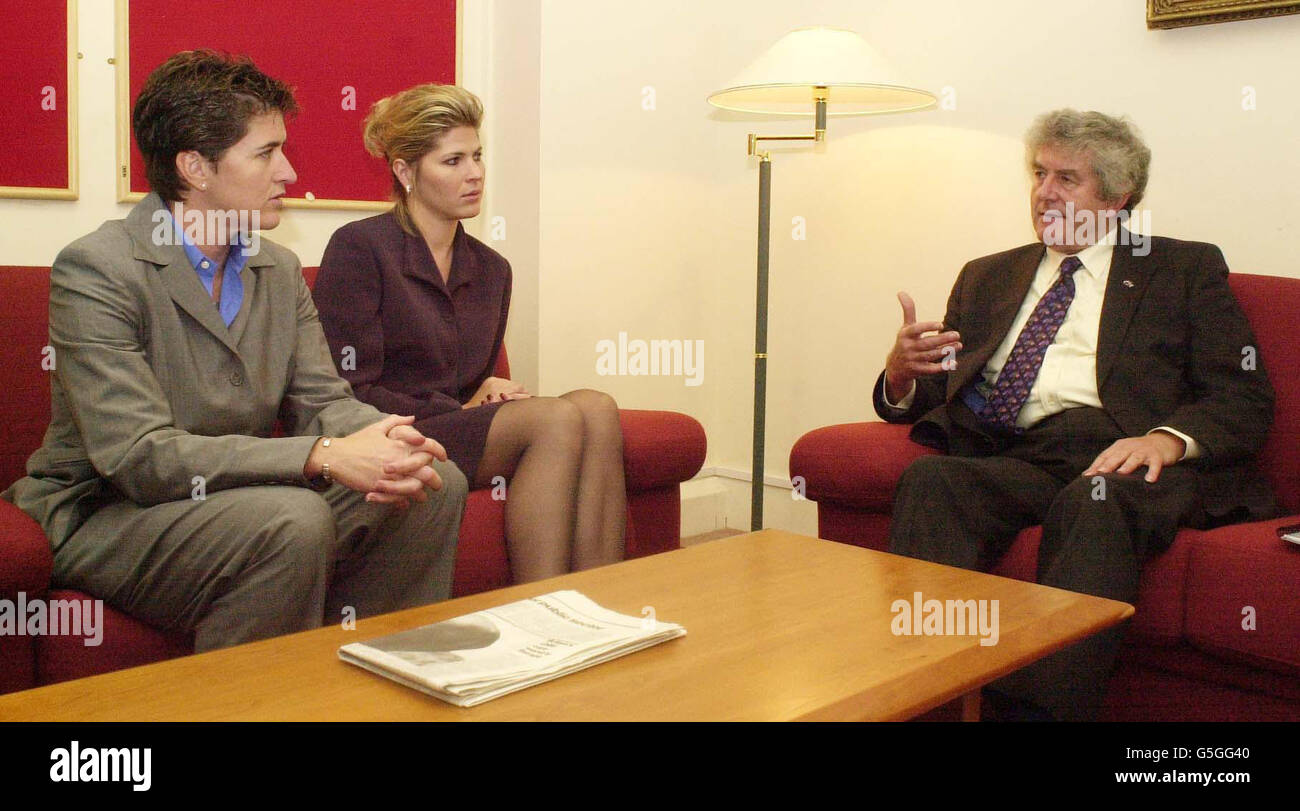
(917, 353)
(497, 389)
(1156, 451)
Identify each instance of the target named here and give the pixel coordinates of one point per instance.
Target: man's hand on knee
(1155, 451)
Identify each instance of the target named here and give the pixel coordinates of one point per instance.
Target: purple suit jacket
(407, 342)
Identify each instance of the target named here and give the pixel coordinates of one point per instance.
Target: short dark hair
(200, 100)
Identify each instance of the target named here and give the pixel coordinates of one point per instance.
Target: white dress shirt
(1068, 376)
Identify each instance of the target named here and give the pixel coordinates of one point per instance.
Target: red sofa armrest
(660, 448)
(25, 558)
(855, 464)
(25, 566)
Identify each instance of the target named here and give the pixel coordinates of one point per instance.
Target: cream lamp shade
(858, 80)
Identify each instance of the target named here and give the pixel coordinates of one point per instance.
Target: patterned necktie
(1021, 369)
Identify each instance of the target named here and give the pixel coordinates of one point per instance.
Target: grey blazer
(151, 388)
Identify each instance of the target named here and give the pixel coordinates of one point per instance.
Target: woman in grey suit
(419, 307)
(180, 338)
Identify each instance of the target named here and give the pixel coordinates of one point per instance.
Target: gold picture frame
(1179, 13)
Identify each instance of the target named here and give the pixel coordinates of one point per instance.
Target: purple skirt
(463, 433)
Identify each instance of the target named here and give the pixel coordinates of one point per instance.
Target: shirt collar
(202, 265)
(1095, 258)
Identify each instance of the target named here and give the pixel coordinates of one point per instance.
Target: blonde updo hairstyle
(408, 125)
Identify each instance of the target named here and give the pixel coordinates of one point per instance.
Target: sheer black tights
(566, 505)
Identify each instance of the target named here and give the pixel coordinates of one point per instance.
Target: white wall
(511, 130)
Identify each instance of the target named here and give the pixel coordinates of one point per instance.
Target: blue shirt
(232, 286)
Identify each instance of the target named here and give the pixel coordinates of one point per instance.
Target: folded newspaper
(477, 657)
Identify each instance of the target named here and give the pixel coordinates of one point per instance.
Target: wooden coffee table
(779, 627)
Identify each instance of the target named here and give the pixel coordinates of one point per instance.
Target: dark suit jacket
(420, 346)
(1169, 353)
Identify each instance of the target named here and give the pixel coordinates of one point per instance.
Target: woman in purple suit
(415, 311)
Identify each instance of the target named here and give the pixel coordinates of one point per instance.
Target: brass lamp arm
(820, 95)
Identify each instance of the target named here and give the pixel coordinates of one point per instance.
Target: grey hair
(1114, 148)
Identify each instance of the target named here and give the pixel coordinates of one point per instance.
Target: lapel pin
(1127, 283)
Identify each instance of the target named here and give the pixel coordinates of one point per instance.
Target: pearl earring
(203, 186)
(408, 188)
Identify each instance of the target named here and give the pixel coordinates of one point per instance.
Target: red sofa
(1187, 655)
(661, 449)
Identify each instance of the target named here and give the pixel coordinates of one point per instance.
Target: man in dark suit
(1099, 382)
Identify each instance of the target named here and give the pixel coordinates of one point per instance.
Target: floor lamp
(810, 71)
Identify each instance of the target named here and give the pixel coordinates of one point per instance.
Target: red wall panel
(33, 57)
(320, 47)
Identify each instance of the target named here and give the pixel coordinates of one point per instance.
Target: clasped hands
(926, 348)
(389, 461)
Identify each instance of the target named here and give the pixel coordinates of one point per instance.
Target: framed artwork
(38, 81)
(340, 57)
(1178, 13)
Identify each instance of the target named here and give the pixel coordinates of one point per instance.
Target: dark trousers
(966, 510)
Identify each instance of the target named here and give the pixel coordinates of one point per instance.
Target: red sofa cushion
(1181, 683)
(1161, 596)
(27, 558)
(1236, 567)
(1021, 560)
(1162, 592)
(125, 642)
(481, 559)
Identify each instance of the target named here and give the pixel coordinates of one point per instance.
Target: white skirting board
(718, 498)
